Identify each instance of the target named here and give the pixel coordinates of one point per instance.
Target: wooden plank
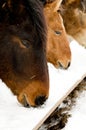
(13, 116)
(58, 103)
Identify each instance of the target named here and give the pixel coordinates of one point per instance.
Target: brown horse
(58, 50)
(23, 65)
(74, 17)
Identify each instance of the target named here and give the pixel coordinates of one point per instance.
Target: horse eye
(25, 43)
(58, 11)
(58, 32)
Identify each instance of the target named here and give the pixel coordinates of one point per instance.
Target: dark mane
(16, 12)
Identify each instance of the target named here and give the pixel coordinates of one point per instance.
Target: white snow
(13, 116)
(77, 121)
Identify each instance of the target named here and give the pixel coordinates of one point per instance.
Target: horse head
(23, 65)
(58, 50)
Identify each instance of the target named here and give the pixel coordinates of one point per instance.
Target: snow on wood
(13, 116)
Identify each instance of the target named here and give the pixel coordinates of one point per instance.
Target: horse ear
(57, 4)
(54, 5)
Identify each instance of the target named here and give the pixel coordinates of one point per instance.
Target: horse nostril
(60, 65)
(26, 104)
(68, 64)
(40, 100)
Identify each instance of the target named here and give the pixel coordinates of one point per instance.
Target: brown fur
(58, 50)
(23, 65)
(74, 17)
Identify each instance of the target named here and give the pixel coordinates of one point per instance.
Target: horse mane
(35, 8)
(13, 12)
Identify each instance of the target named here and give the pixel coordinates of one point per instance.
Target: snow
(13, 116)
(78, 118)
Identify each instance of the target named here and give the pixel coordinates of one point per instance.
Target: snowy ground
(71, 113)
(77, 121)
(13, 116)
